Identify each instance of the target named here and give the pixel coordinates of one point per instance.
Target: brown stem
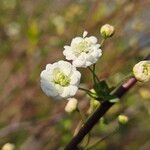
(101, 110)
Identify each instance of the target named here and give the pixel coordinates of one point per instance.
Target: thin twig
(102, 43)
(102, 139)
(94, 74)
(86, 90)
(91, 94)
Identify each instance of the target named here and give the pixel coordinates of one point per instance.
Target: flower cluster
(61, 79)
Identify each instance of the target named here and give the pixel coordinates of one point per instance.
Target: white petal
(92, 39)
(90, 58)
(48, 89)
(85, 34)
(46, 75)
(79, 63)
(73, 90)
(69, 54)
(67, 47)
(65, 66)
(66, 92)
(88, 63)
(59, 88)
(97, 46)
(55, 65)
(49, 67)
(69, 91)
(76, 41)
(96, 53)
(75, 78)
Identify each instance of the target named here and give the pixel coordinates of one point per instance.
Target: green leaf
(103, 91)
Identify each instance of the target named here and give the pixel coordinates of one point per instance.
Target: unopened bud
(93, 102)
(96, 103)
(141, 71)
(123, 119)
(107, 31)
(71, 105)
(8, 146)
(93, 93)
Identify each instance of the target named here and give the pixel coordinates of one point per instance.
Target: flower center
(83, 46)
(146, 69)
(60, 78)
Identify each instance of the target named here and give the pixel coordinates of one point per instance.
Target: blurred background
(33, 33)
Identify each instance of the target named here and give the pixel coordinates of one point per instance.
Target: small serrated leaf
(103, 91)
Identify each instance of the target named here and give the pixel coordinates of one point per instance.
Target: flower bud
(107, 31)
(94, 94)
(8, 146)
(71, 105)
(93, 102)
(141, 71)
(96, 103)
(122, 119)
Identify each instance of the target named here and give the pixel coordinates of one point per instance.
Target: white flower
(71, 105)
(8, 146)
(60, 80)
(141, 71)
(83, 51)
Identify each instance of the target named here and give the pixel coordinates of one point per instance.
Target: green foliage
(104, 92)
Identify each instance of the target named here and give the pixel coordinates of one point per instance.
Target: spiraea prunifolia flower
(141, 71)
(83, 51)
(60, 80)
(123, 119)
(107, 31)
(71, 105)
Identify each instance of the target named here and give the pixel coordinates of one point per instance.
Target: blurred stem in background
(102, 139)
(95, 77)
